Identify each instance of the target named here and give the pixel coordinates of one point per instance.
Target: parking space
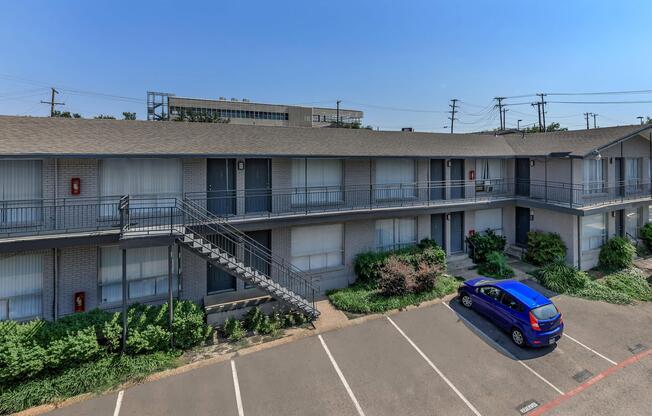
(203, 391)
(494, 382)
(442, 359)
(388, 376)
(294, 379)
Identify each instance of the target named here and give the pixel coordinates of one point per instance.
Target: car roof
(530, 297)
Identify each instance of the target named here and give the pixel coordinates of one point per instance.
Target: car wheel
(466, 300)
(518, 338)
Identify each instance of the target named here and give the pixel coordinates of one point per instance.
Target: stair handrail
(239, 238)
(213, 218)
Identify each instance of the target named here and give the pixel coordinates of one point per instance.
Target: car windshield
(544, 312)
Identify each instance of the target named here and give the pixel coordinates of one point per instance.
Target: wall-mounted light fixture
(240, 164)
(448, 217)
(611, 160)
(531, 214)
(449, 163)
(613, 214)
(532, 163)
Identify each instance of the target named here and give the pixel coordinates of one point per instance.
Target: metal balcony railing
(71, 215)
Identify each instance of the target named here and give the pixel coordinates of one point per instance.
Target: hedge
(544, 248)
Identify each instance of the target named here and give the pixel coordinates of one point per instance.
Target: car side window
(490, 291)
(510, 302)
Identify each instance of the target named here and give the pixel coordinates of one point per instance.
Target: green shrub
(544, 248)
(484, 243)
(233, 329)
(631, 282)
(254, 320)
(646, 235)
(496, 266)
(616, 254)
(562, 278)
(368, 265)
(597, 291)
(189, 325)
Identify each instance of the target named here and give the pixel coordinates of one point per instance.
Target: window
(396, 233)
(632, 220)
(594, 175)
(489, 169)
(21, 285)
(147, 273)
(158, 180)
(649, 213)
(633, 174)
(395, 178)
(489, 219)
(490, 291)
(509, 301)
(594, 231)
(317, 247)
(324, 181)
(21, 191)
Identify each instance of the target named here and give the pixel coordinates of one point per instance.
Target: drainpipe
(55, 289)
(571, 182)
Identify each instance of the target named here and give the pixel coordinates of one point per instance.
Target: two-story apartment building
(96, 211)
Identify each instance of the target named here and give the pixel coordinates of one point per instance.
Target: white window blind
(158, 179)
(632, 218)
(489, 219)
(21, 285)
(489, 169)
(317, 247)
(594, 231)
(21, 189)
(147, 272)
(594, 175)
(633, 174)
(395, 178)
(395, 233)
(321, 177)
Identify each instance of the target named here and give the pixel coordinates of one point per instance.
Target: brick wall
(78, 272)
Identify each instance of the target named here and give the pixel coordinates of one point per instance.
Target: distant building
(162, 106)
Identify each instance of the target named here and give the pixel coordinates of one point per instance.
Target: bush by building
(616, 254)
(496, 266)
(544, 248)
(481, 244)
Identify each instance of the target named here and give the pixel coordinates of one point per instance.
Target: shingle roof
(41, 136)
(577, 142)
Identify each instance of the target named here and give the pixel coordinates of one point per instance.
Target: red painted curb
(559, 400)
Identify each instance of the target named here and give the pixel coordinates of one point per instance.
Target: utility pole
(594, 122)
(543, 110)
(640, 118)
(505, 118)
(338, 112)
(586, 116)
(538, 104)
(518, 124)
(500, 110)
(452, 117)
(52, 102)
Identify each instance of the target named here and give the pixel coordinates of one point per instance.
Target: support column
(170, 292)
(124, 299)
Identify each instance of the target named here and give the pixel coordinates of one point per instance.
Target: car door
(486, 300)
(507, 311)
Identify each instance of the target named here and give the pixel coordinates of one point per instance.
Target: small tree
(128, 116)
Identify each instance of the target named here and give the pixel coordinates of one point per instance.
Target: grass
(365, 299)
(94, 377)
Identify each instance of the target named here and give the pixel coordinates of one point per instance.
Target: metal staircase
(224, 246)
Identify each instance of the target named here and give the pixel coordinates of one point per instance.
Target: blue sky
(379, 56)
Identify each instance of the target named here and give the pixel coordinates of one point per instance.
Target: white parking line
(434, 367)
(503, 349)
(118, 403)
(590, 349)
(236, 385)
(342, 379)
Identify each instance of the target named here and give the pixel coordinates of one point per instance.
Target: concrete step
(459, 262)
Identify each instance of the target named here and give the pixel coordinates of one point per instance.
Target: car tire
(466, 300)
(518, 338)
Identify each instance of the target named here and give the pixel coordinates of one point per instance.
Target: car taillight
(561, 318)
(534, 322)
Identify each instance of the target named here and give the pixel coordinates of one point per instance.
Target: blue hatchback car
(530, 318)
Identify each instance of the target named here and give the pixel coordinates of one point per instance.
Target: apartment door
(438, 229)
(437, 179)
(218, 280)
(257, 255)
(457, 178)
(522, 175)
(258, 185)
(220, 186)
(619, 170)
(522, 226)
(620, 228)
(457, 231)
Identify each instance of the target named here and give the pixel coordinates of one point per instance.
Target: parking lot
(437, 360)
